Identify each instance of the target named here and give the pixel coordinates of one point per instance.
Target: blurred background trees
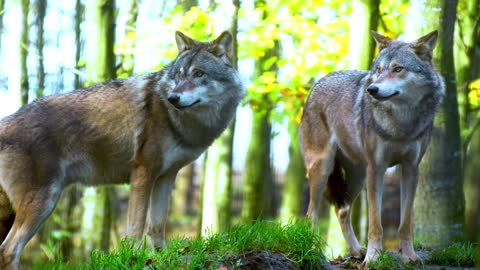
(255, 169)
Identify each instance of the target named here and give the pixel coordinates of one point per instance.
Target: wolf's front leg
(374, 199)
(140, 187)
(159, 201)
(408, 187)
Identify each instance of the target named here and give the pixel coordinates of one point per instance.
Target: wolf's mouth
(182, 107)
(382, 98)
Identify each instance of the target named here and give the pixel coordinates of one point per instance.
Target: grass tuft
(385, 261)
(458, 254)
(295, 240)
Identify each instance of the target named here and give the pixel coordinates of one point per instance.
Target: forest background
(255, 170)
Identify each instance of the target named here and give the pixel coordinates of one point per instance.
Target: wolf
(357, 124)
(140, 130)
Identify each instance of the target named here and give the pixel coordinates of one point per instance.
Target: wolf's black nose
(173, 98)
(372, 90)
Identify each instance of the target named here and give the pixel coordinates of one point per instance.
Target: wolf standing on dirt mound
(356, 124)
(140, 130)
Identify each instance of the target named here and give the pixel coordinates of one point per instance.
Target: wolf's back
(335, 88)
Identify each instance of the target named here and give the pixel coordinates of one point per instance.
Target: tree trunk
(363, 19)
(187, 4)
(295, 179)
(24, 44)
(2, 11)
(439, 204)
(127, 60)
(79, 12)
(468, 69)
(258, 177)
(181, 205)
(41, 6)
(472, 187)
(100, 16)
(100, 66)
(258, 169)
(217, 179)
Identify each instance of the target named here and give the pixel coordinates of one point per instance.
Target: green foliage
(297, 241)
(458, 254)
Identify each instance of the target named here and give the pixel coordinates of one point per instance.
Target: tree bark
(364, 18)
(439, 204)
(100, 66)
(258, 181)
(41, 6)
(2, 12)
(79, 14)
(295, 179)
(468, 69)
(217, 179)
(24, 44)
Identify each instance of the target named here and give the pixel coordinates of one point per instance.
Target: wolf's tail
(7, 215)
(336, 191)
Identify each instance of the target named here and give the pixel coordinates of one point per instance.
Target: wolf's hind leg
(319, 167)
(33, 208)
(343, 189)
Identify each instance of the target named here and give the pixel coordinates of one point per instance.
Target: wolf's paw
(372, 253)
(407, 252)
(358, 252)
(407, 257)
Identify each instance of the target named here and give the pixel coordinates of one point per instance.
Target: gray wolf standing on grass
(356, 124)
(139, 130)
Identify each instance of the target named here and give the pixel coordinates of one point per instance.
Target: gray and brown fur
(356, 124)
(139, 130)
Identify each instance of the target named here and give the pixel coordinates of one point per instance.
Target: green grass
(295, 240)
(385, 261)
(458, 254)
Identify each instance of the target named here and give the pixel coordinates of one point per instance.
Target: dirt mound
(258, 260)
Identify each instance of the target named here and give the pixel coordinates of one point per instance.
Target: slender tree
(79, 14)
(130, 29)
(218, 171)
(439, 204)
(295, 179)
(183, 192)
(40, 8)
(468, 69)
(187, 4)
(24, 44)
(257, 198)
(100, 66)
(2, 12)
(361, 49)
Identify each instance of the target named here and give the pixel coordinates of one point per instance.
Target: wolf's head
(203, 73)
(404, 71)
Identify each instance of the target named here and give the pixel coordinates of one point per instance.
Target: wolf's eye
(198, 74)
(397, 69)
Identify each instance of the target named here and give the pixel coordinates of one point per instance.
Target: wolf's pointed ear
(223, 47)
(183, 41)
(424, 46)
(382, 41)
